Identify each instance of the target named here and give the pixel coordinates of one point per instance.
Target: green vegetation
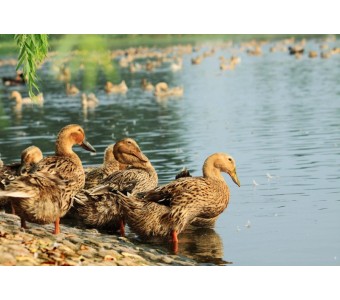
(32, 51)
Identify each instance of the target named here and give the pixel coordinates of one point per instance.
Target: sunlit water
(278, 116)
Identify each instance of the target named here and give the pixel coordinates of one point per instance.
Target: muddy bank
(37, 246)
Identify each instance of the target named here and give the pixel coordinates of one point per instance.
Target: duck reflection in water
(204, 245)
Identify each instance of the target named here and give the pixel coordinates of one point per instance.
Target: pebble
(37, 246)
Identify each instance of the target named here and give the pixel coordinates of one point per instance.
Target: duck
(167, 210)
(45, 194)
(255, 51)
(196, 60)
(296, 50)
(312, 54)
(64, 74)
(120, 88)
(19, 79)
(98, 207)
(224, 66)
(30, 156)
(110, 165)
(146, 85)
(39, 99)
(176, 65)
(71, 89)
(89, 101)
(326, 54)
(162, 90)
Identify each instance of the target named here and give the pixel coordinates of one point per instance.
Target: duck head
(127, 151)
(70, 135)
(220, 162)
(29, 158)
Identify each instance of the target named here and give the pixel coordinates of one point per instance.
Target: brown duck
(46, 194)
(29, 158)
(167, 210)
(110, 165)
(98, 206)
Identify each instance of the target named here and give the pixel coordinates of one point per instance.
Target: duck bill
(87, 146)
(234, 177)
(140, 156)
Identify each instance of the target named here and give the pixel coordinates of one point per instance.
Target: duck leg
(122, 228)
(13, 209)
(174, 240)
(23, 223)
(56, 226)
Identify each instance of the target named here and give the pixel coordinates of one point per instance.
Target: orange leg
(174, 240)
(23, 223)
(122, 228)
(13, 210)
(56, 226)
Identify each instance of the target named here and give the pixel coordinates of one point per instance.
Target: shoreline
(37, 246)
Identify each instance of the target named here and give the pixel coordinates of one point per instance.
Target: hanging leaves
(33, 49)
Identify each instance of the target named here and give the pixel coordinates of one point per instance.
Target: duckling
(116, 88)
(45, 194)
(176, 65)
(64, 74)
(29, 158)
(98, 206)
(1, 163)
(295, 50)
(110, 165)
(71, 90)
(162, 90)
(312, 54)
(167, 210)
(196, 60)
(39, 99)
(325, 55)
(255, 51)
(19, 79)
(89, 101)
(227, 66)
(146, 85)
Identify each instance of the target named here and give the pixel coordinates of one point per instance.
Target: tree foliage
(33, 49)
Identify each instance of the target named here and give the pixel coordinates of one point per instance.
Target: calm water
(278, 116)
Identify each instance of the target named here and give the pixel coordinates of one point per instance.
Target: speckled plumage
(98, 207)
(186, 200)
(97, 175)
(46, 194)
(29, 158)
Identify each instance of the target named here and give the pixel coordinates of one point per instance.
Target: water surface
(278, 116)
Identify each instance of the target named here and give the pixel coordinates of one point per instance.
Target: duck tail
(14, 194)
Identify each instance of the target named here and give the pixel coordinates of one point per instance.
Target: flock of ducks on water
(148, 60)
(123, 190)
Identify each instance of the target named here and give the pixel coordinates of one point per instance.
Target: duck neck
(65, 149)
(147, 166)
(211, 172)
(18, 99)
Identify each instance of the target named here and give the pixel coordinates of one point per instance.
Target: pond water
(278, 116)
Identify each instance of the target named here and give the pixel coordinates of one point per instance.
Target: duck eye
(230, 159)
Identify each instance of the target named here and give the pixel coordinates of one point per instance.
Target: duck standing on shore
(110, 165)
(169, 209)
(29, 158)
(45, 194)
(98, 207)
